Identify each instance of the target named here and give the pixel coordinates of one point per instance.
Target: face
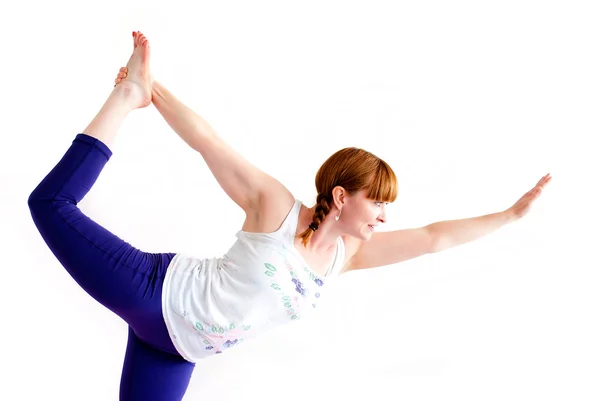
(361, 216)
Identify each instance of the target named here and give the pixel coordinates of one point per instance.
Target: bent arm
(243, 182)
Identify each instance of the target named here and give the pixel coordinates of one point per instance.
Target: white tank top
(210, 305)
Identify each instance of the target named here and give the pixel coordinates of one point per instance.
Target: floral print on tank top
(305, 290)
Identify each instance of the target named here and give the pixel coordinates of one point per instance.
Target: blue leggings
(122, 278)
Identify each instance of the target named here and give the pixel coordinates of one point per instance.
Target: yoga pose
(180, 308)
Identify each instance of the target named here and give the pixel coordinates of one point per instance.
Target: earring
(338, 216)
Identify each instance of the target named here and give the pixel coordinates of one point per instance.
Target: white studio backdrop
(470, 102)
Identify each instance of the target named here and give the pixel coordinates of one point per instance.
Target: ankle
(127, 94)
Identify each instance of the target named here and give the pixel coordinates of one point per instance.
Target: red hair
(353, 169)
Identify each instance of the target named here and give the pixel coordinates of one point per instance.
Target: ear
(339, 196)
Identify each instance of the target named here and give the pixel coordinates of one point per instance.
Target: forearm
(451, 233)
(185, 122)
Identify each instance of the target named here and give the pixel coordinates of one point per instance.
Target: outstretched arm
(386, 248)
(243, 182)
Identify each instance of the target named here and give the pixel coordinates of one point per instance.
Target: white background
(470, 102)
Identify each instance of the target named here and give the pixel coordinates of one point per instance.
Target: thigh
(121, 277)
(124, 279)
(153, 375)
(112, 271)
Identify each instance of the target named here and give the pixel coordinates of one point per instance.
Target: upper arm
(265, 200)
(242, 181)
(387, 248)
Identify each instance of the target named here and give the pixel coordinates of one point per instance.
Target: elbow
(437, 242)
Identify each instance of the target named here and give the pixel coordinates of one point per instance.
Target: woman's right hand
(121, 75)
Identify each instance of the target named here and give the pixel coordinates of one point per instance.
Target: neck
(326, 235)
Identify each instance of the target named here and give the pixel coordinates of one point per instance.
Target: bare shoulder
(273, 206)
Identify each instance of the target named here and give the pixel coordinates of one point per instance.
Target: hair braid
(322, 209)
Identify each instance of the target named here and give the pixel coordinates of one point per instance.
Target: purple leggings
(122, 278)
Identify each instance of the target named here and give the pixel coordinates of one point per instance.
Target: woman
(180, 308)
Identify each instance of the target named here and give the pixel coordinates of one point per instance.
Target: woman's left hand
(521, 208)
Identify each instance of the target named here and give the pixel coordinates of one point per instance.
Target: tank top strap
(340, 256)
(290, 224)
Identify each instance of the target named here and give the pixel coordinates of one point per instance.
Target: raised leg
(116, 274)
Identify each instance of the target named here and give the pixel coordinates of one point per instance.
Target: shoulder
(270, 211)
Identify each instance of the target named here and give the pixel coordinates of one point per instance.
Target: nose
(382, 216)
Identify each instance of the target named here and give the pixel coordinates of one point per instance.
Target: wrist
(509, 215)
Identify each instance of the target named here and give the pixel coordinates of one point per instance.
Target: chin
(362, 235)
(365, 237)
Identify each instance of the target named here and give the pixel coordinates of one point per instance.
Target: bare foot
(135, 79)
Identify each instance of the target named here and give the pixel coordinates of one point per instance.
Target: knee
(43, 203)
(34, 199)
(37, 197)
(35, 203)
(43, 195)
(39, 201)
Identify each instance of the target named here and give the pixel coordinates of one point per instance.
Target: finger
(123, 69)
(122, 75)
(118, 80)
(545, 181)
(541, 182)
